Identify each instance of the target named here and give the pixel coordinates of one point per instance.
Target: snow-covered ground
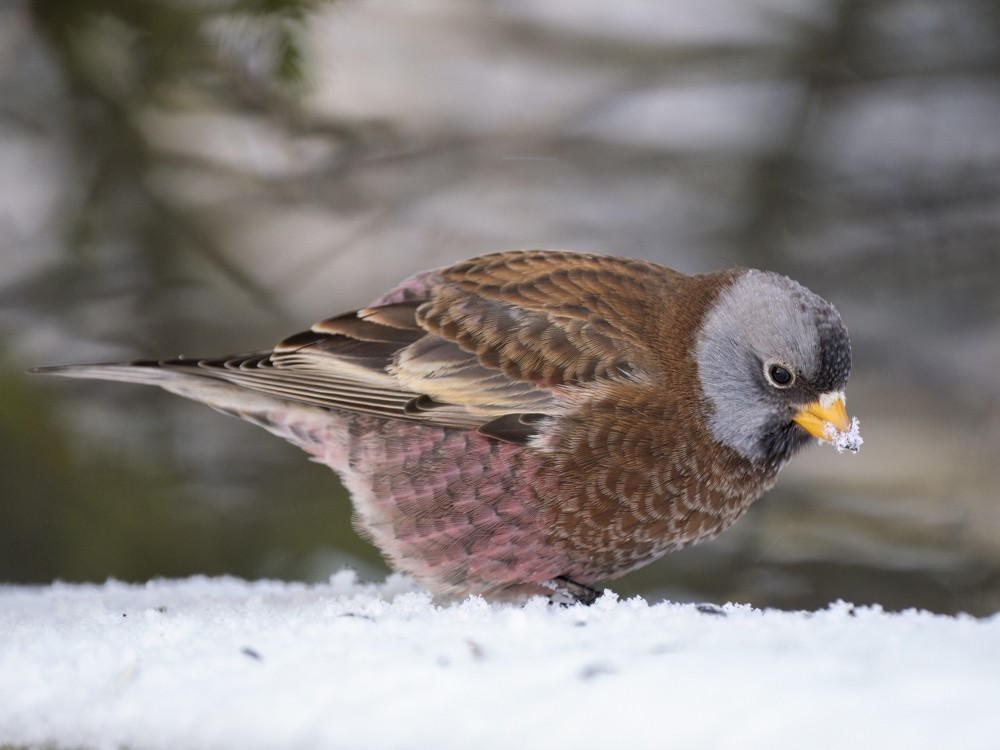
(224, 663)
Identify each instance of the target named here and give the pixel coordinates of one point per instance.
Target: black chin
(780, 442)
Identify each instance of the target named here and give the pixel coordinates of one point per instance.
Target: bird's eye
(779, 375)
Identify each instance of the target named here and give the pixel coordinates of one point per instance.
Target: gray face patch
(760, 317)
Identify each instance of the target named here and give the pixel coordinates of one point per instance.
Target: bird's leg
(566, 591)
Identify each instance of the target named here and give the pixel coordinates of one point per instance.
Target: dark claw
(710, 609)
(567, 591)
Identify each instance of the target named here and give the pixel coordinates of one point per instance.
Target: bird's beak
(819, 416)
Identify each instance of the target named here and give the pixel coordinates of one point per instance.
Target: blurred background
(202, 177)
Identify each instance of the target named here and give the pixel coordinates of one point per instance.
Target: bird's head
(773, 360)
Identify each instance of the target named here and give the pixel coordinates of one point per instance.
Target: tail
(190, 378)
(319, 431)
(147, 372)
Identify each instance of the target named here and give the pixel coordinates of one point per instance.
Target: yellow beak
(818, 416)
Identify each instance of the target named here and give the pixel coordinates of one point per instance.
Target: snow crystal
(849, 440)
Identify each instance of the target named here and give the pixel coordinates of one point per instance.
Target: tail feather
(300, 423)
(147, 372)
(250, 381)
(183, 377)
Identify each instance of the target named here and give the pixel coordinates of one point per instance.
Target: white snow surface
(225, 663)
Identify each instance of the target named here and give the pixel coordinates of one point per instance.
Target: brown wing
(549, 317)
(484, 339)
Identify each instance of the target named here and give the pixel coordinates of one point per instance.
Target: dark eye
(779, 375)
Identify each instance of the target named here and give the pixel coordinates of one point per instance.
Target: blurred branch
(118, 59)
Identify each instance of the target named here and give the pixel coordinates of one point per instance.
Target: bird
(538, 422)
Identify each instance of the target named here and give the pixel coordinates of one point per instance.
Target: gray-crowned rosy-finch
(536, 422)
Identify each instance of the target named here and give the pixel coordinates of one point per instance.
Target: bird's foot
(566, 591)
(710, 609)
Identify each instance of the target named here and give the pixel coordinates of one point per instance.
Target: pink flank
(456, 510)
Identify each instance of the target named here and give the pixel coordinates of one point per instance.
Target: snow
(225, 663)
(848, 440)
